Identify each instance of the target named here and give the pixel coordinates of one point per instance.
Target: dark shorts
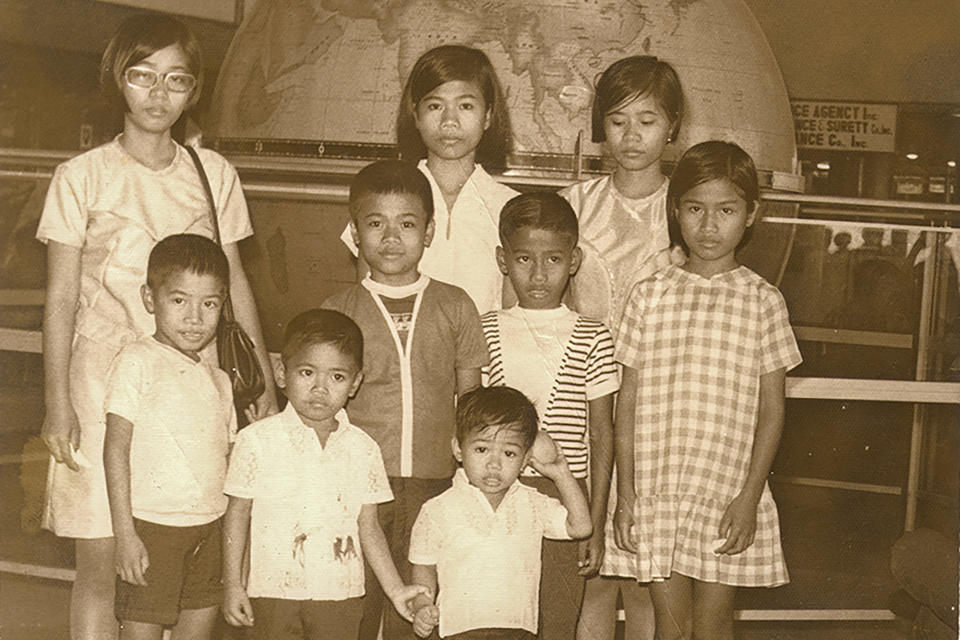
(493, 634)
(280, 619)
(184, 573)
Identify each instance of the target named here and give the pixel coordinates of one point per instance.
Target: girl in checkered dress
(705, 348)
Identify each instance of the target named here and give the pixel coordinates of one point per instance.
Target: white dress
(114, 209)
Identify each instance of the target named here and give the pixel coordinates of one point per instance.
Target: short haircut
(323, 326)
(390, 176)
(186, 252)
(138, 38)
(630, 78)
(544, 210)
(712, 160)
(446, 64)
(485, 407)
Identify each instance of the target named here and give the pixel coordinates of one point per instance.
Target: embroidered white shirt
(304, 539)
(488, 561)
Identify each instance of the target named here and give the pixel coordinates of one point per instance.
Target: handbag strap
(227, 304)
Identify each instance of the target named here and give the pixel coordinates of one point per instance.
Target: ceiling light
(912, 156)
(823, 166)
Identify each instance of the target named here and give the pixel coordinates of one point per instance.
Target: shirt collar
(396, 292)
(292, 419)
(462, 483)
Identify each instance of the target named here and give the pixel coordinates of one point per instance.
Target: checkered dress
(700, 346)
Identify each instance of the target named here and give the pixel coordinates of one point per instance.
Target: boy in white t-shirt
(170, 419)
(306, 483)
(477, 545)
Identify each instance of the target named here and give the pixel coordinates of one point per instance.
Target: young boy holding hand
(479, 541)
(423, 346)
(306, 484)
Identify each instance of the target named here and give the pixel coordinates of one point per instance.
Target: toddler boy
(479, 541)
(306, 484)
(170, 419)
(564, 363)
(422, 346)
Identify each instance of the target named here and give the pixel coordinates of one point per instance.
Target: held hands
(61, 429)
(738, 525)
(403, 599)
(590, 553)
(131, 559)
(546, 458)
(236, 606)
(425, 619)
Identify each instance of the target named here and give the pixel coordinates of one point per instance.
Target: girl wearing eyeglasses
(104, 212)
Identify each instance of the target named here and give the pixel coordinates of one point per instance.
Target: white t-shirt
(488, 562)
(183, 421)
(463, 251)
(304, 537)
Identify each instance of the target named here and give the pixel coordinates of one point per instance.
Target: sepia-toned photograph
(479, 319)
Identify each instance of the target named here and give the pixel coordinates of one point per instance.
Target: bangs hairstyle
(323, 326)
(630, 78)
(446, 64)
(138, 38)
(546, 211)
(186, 252)
(485, 407)
(712, 160)
(390, 176)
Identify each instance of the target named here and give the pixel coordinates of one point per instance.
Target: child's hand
(236, 606)
(402, 599)
(545, 457)
(425, 619)
(623, 533)
(131, 559)
(738, 525)
(590, 553)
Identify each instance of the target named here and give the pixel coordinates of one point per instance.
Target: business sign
(845, 126)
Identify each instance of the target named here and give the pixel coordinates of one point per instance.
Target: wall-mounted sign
(845, 126)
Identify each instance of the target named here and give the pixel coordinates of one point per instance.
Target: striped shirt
(581, 368)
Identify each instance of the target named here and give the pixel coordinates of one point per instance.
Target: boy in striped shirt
(564, 363)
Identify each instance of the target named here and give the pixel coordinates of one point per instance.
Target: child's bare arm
(375, 550)
(601, 466)
(554, 466)
(236, 523)
(131, 558)
(739, 522)
(60, 425)
(426, 615)
(467, 379)
(623, 448)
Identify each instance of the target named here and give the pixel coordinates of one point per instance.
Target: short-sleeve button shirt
(488, 561)
(307, 497)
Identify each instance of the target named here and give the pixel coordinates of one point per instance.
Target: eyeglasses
(173, 81)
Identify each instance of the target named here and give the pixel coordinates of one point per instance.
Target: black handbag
(235, 349)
